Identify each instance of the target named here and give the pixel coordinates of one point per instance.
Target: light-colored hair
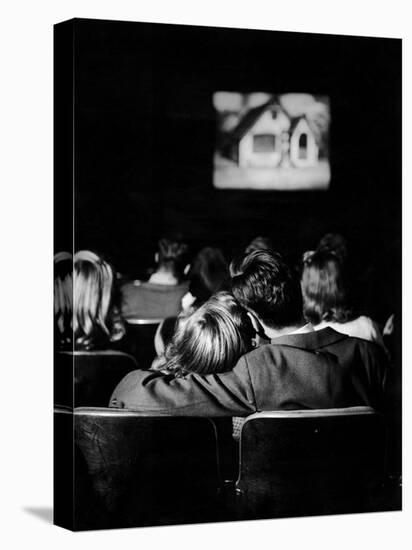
(63, 298)
(94, 318)
(211, 338)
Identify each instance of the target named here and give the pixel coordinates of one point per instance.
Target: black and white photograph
(227, 274)
(205, 274)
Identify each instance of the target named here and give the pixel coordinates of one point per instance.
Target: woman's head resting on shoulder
(210, 339)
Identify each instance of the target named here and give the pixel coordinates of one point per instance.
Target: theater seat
(136, 470)
(141, 334)
(88, 378)
(298, 463)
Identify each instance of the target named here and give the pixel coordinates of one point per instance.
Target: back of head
(323, 288)
(334, 243)
(208, 274)
(63, 298)
(93, 322)
(259, 243)
(265, 285)
(172, 256)
(211, 338)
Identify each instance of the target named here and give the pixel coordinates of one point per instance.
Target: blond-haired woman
(96, 319)
(210, 339)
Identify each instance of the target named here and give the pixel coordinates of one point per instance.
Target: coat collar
(310, 340)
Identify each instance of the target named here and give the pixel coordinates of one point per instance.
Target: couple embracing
(252, 351)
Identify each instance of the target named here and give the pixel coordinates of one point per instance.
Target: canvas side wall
(63, 241)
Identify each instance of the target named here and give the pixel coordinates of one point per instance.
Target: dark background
(144, 141)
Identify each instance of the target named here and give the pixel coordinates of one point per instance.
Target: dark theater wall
(144, 141)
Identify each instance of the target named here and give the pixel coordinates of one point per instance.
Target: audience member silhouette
(327, 301)
(300, 368)
(209, 273)
(160, 296)
(97, 323)
(259, 243)
(335, 243)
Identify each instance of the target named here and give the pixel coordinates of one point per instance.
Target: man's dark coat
(321, 369)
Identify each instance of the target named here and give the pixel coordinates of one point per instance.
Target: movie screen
(271, 141)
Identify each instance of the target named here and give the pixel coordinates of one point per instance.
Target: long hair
(208, 274)
(211, 338)
(324, 289)
(96, 321)
(63, 299)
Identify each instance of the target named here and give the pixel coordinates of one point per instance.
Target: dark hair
(265, 285)
(259, 243)
(211, 338)
(324, 289)
(335, 243)
(173, 256)
(208, 274)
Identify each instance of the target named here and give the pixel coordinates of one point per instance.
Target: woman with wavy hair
(208, 274)
(326, 299)
(210, 339)
(96, 319)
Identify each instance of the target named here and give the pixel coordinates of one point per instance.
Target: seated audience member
(259, 243)
(299, 369)
(209, 273)
(97, 323)
(326, 302)
(331, 242)
(335, 243)
(160, 296)
(63, 301)
(210, 339)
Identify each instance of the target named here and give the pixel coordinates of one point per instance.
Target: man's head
(263, 283)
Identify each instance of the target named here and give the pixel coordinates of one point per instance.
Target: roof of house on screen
(253, 115)
(296, 120)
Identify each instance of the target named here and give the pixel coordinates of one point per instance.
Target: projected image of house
(281, 143)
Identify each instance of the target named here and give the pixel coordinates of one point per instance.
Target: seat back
(88, 378)
(143, 470)
(141, 335)
(311, 462)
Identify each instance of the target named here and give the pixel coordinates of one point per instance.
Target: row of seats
(88, 378)
(129, 469)
(118, 468)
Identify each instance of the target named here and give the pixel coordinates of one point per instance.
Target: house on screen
(268, 137)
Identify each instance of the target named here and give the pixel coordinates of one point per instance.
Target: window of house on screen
(271, 141)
